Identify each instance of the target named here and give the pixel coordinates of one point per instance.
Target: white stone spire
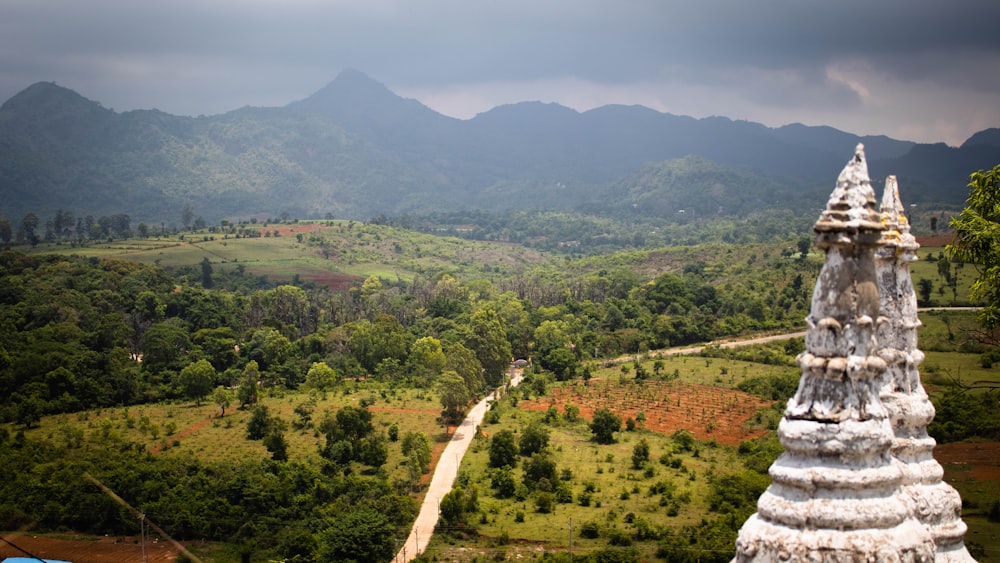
(835, 491)
(932, 501)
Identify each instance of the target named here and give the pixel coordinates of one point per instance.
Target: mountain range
(354, 149)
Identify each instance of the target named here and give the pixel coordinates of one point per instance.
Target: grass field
(608, 492)
(333, 252)
(185, 428)
(942, 293)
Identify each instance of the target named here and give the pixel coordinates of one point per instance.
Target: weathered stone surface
(835, 492)
(932, 501)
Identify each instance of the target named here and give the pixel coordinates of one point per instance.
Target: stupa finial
(835, 491)
(851, 207)
(933, 502)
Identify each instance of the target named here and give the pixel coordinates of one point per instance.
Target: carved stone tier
(932, 501)
(835, 492)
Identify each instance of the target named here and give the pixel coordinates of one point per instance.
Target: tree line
(84, 333)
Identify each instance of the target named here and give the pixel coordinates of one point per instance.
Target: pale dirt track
(443, 479)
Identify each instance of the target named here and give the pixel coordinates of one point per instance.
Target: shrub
(590, 530)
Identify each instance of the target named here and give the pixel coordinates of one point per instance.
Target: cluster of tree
(289, 510)
(595, 233)
(83, 333)
(65, 226)
(731, 496)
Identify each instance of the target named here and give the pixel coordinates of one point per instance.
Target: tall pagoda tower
(835, 492)
(932, 501)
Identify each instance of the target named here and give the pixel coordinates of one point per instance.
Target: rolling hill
(354, 149)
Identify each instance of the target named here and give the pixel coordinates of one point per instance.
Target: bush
(619, 538)
(590, 530)
(544, 502)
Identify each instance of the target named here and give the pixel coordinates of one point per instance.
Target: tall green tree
(247, 390)
(6, 232)
(534, 438)
(29, 229)
(417, 449)
(604, 425)
(372, 342)
(426, 359)
(463, 361)
(206, 273)
(503, 449)
(197, 379)
(977, 241)
(454, 396)
(165, 346)
(222, 397)
(358, 535)
(488, 339)
(321, 377)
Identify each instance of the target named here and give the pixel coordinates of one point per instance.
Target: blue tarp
(31, 560)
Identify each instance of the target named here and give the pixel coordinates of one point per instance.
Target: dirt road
(444, 477)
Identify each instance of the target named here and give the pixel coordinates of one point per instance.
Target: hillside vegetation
(355, 150)
(275, 386)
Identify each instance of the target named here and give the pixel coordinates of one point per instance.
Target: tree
(372, 450)
(454, 397)
(488, 339)
(804, 244)
(197, 379)
(640, 454)
(29, 228)
(426, 358)
(372, 342)
(503, 449)
(187, 215)
(321, 377)
(206, 273)
(503, 481)
(417, 449)
(540, 467)
(6, 232)
(247, 391)
(260, 423)
(358, 535)
(534, 439)
(977, 241)
(350, 437)
(276, 444)
(223, 398)
(452, 507)
(164, 346)
(925, 288)
(604, 425)
(463, 361)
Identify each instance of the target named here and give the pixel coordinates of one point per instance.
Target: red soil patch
(983, 457)
(285, 230)
(709, 413)
(417, 411)
(89, 549)
(333, 280)
(339, 282)
(184, 433)
(936, 240)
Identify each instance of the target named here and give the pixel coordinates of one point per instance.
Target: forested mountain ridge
(354, 149)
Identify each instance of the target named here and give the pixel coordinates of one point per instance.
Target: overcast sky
(921, 70)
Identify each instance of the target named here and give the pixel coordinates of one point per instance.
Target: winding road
(447, 466)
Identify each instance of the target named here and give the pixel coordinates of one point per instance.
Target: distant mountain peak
(47, 96)
(990, 137)
(351, 88)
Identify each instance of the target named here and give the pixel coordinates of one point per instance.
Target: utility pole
(142, 534)
(571, 539)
